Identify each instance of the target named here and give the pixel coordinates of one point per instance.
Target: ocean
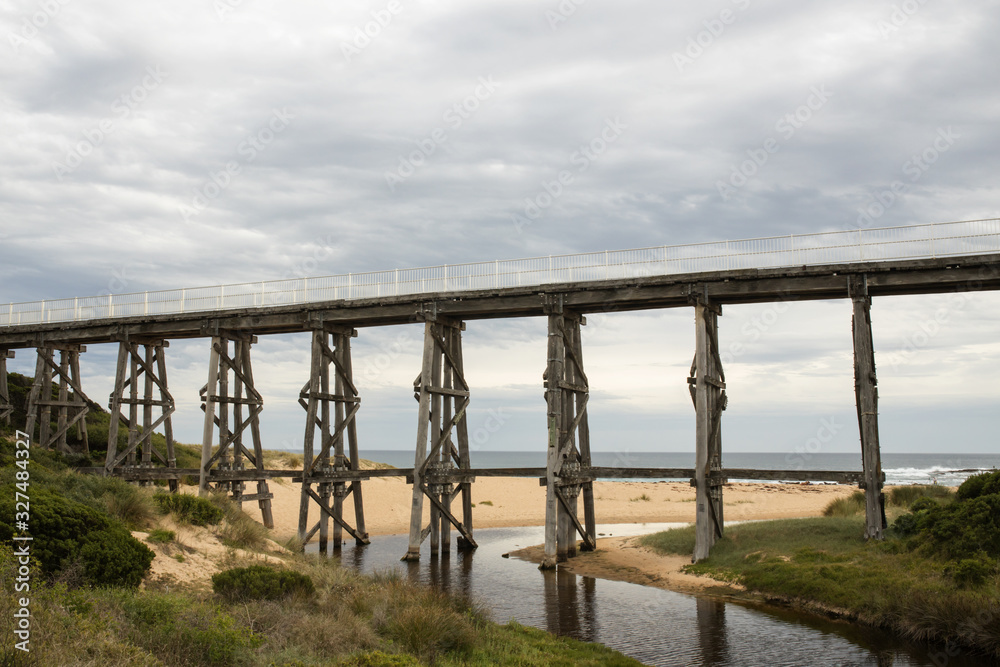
(945, 469)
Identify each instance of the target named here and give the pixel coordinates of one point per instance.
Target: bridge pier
(72, 404)
(707, 384)
(567, 392)
(332, 410)
(866, 397)
(228, 459)
(5, 405)
(149, 367)
(443, 395)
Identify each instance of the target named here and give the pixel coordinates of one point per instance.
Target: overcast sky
(156, 145)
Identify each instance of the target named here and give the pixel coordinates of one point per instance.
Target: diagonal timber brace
(443, 397)
(71, 403)
(707, 384)
(141, 363)
(567, 394)
(331, 405)
(231, 452)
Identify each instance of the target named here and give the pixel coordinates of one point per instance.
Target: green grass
(852, 505)
(486, 502)
(161, 536)
(904, 496)
(644, 498)
(825, 562)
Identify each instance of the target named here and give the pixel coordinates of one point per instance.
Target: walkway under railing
(858, 245)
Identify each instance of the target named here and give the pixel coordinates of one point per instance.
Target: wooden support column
(141, 359)
(331, 410)
(6, 408)
(443, 397)
(567, 392)
(866, 397)
(226, 464)
(71, 404)
(707, 384)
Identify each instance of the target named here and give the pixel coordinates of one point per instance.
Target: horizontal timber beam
(596, 472)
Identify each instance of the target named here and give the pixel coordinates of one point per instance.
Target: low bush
(71, 537)
(260, 582)
(972, 572)
(161, 536)
(190, 509)
(983, 484)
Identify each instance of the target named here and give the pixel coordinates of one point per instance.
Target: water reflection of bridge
(857, 265)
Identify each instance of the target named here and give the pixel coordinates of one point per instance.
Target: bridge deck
(884, 278)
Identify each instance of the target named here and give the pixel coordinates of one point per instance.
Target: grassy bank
(824, 564)
(92, 602)
(348, 619)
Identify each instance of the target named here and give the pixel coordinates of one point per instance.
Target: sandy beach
(503, 501)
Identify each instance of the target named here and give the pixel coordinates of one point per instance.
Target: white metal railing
(856, 245)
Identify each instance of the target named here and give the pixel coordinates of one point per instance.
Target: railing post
(145, 303)
(183, 297)
(396, 281)
(76, 309)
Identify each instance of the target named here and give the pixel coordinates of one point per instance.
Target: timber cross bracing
(442, 470)
(71, 405)
(150, 368)
(567, 392)
(442, 451)
(331, 408)
(231, 451)
(6, 408)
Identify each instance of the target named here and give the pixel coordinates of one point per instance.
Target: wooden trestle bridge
(857, 265)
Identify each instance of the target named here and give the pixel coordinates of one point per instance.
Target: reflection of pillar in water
(551, 601)
(588, 609)
(712, 631)
(569, 610)
(464, 574)
(412, 571)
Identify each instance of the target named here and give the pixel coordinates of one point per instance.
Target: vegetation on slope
(87, 607)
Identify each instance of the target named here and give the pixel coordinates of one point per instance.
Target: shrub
(979, 485)
(970, 572)
(905, 524)
(259, 582)
(923, 503)
(191, 509)
(964, 528)
(68, 535)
